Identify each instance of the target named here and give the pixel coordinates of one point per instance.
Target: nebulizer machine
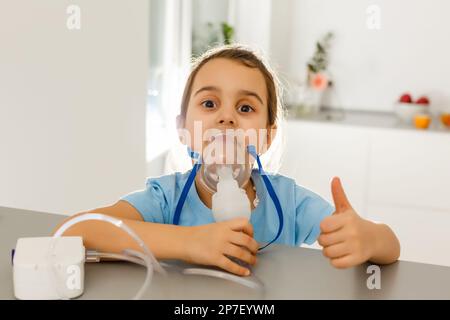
(53, 267)
(50, 268)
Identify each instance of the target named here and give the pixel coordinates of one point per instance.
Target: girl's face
(227, 95)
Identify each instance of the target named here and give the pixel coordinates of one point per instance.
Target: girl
(231, 88)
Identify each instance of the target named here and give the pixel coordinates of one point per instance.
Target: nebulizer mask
(225, 173)
(224, 169)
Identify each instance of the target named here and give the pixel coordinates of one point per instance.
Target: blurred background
(89, 91)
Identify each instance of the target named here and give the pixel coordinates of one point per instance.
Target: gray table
(286, 272)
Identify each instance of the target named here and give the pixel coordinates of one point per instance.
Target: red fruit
(406, 98)
(423, 100)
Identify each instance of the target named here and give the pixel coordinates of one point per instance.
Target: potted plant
(212, 35)
(309, 97)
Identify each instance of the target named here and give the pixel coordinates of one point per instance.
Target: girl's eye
(245, 108)
(208, 104)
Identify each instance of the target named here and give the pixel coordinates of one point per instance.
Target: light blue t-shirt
(303, 210)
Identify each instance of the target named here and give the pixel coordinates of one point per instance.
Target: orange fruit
(445, 119)
(422, 121)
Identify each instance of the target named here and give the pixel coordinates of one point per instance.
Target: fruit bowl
(406, 111)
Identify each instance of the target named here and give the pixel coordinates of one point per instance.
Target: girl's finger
(328, 239)
(333, 223)
(240, 253)
(230, 266)
(344, 262)
(336, 250)
(241, 224)
(341, 202)
(244, 240)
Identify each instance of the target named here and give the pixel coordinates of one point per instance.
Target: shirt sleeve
(150, 202)
(311, 210)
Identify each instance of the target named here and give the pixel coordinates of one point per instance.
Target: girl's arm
(207, 244)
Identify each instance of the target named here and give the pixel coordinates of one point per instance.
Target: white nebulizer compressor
(50, 268)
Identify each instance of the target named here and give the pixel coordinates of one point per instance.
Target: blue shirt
(303, 210)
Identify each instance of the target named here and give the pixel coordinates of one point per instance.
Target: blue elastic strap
(194, 155)
(252, 150)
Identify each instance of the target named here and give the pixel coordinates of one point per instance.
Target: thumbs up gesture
(346, 238)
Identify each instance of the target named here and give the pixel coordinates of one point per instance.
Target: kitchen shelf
(368, 119)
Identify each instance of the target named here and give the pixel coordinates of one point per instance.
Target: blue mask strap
(252, 150)
(194, 155)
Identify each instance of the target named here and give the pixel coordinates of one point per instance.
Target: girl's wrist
(184, 243)
(376, 240)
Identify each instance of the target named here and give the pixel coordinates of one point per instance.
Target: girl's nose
(226, 121)
(226, 118)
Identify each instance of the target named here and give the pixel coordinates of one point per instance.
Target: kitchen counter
(367, 119)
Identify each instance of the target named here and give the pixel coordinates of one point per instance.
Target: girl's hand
(211, 244)
(346, 238)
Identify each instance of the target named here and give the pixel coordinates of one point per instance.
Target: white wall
(252, 21)
(72, 103)
(281, 22)
(371, 68)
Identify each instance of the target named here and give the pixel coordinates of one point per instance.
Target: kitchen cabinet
(315, 153)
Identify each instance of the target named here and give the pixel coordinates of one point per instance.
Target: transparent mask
(225, 150)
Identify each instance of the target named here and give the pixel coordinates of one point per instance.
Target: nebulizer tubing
(90, 254)
(245, 281)
(146, 258)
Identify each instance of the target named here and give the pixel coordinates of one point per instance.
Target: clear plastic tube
(147, 262)
(245, 281)
(130, 256)
(95, 256)
(118, 256)
(146, 258)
